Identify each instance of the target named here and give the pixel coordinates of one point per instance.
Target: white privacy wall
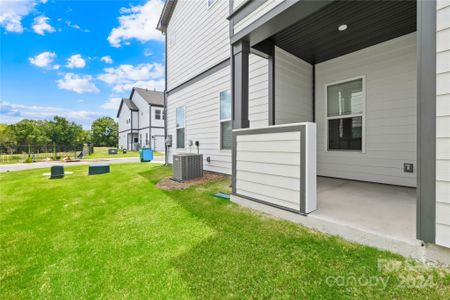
(197, 39)
(293, 88)
(268, 168)
(201, 101)
(390, 116)
(443, 124)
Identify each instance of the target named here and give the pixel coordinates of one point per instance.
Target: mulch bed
(168, 184)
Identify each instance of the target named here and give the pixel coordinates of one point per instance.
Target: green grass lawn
(99, 152)
(117, 236)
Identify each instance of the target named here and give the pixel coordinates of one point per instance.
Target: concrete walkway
(48, 164)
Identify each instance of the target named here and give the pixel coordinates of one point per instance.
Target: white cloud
(137, 22)
(145, 84)
(11, 113)
(76, 61)
(124, 77)
(75, 26)
(112, 104)
(12, 12)
(77, 83)
(44, 60)
(41, 25)
(107, 59)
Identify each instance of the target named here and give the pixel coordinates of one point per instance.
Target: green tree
(30, 132)
(7, 138)
(64, 133)
(105, 132)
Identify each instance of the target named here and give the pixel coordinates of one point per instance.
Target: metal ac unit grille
(187, 166)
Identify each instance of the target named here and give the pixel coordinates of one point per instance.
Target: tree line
(58, 131)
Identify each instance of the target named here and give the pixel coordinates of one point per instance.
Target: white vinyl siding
(124, 127)
(256, 14)
(144, 110)
(293, 89)
(202, 112)
(135, 119)
(198, 39)
(443, 124)
(390, 72)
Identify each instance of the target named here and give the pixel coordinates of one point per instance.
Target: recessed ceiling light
(342, 27)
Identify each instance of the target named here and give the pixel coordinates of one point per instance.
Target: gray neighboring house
(141, 120)
(332, 114)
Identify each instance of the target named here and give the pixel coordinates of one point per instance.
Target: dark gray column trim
(241, 52)
(203, 75)
(426, 121)
(314, 93)
(272, 89)
(276, 129)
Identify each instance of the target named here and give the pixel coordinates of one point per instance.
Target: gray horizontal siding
(198, 39)
(201, 100)
(390, 118)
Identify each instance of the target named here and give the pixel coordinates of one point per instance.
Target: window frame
(362, 115)
(160, 113)
(184, 127)
(225, 120)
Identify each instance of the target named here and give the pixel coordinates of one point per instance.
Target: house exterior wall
(124, 127)
(390, 71)
(201, 102)
(256, 14)
(201, 29)
(443, 124)
(155, 122)
(134, 120)
(144, 110)
(293, 89)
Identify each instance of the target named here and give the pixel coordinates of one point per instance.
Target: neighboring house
(141, 120)
(354, 92)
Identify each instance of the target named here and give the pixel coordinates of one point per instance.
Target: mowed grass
(102, 152)
(117, 236)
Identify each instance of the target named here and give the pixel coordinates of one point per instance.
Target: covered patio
(341, 145)
(372, 207)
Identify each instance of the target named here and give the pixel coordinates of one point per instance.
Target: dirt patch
(169, 184)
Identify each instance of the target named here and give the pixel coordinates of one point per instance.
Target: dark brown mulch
(169, 184)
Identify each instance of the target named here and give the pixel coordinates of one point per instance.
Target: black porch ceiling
(316, 38)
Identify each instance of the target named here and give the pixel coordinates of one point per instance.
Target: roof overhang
(121, 104)
(317, 37)
(166, 13)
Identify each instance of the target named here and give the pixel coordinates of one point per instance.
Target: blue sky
(76, 58)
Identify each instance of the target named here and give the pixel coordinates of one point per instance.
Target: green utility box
(56, 172)
(98, 169)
